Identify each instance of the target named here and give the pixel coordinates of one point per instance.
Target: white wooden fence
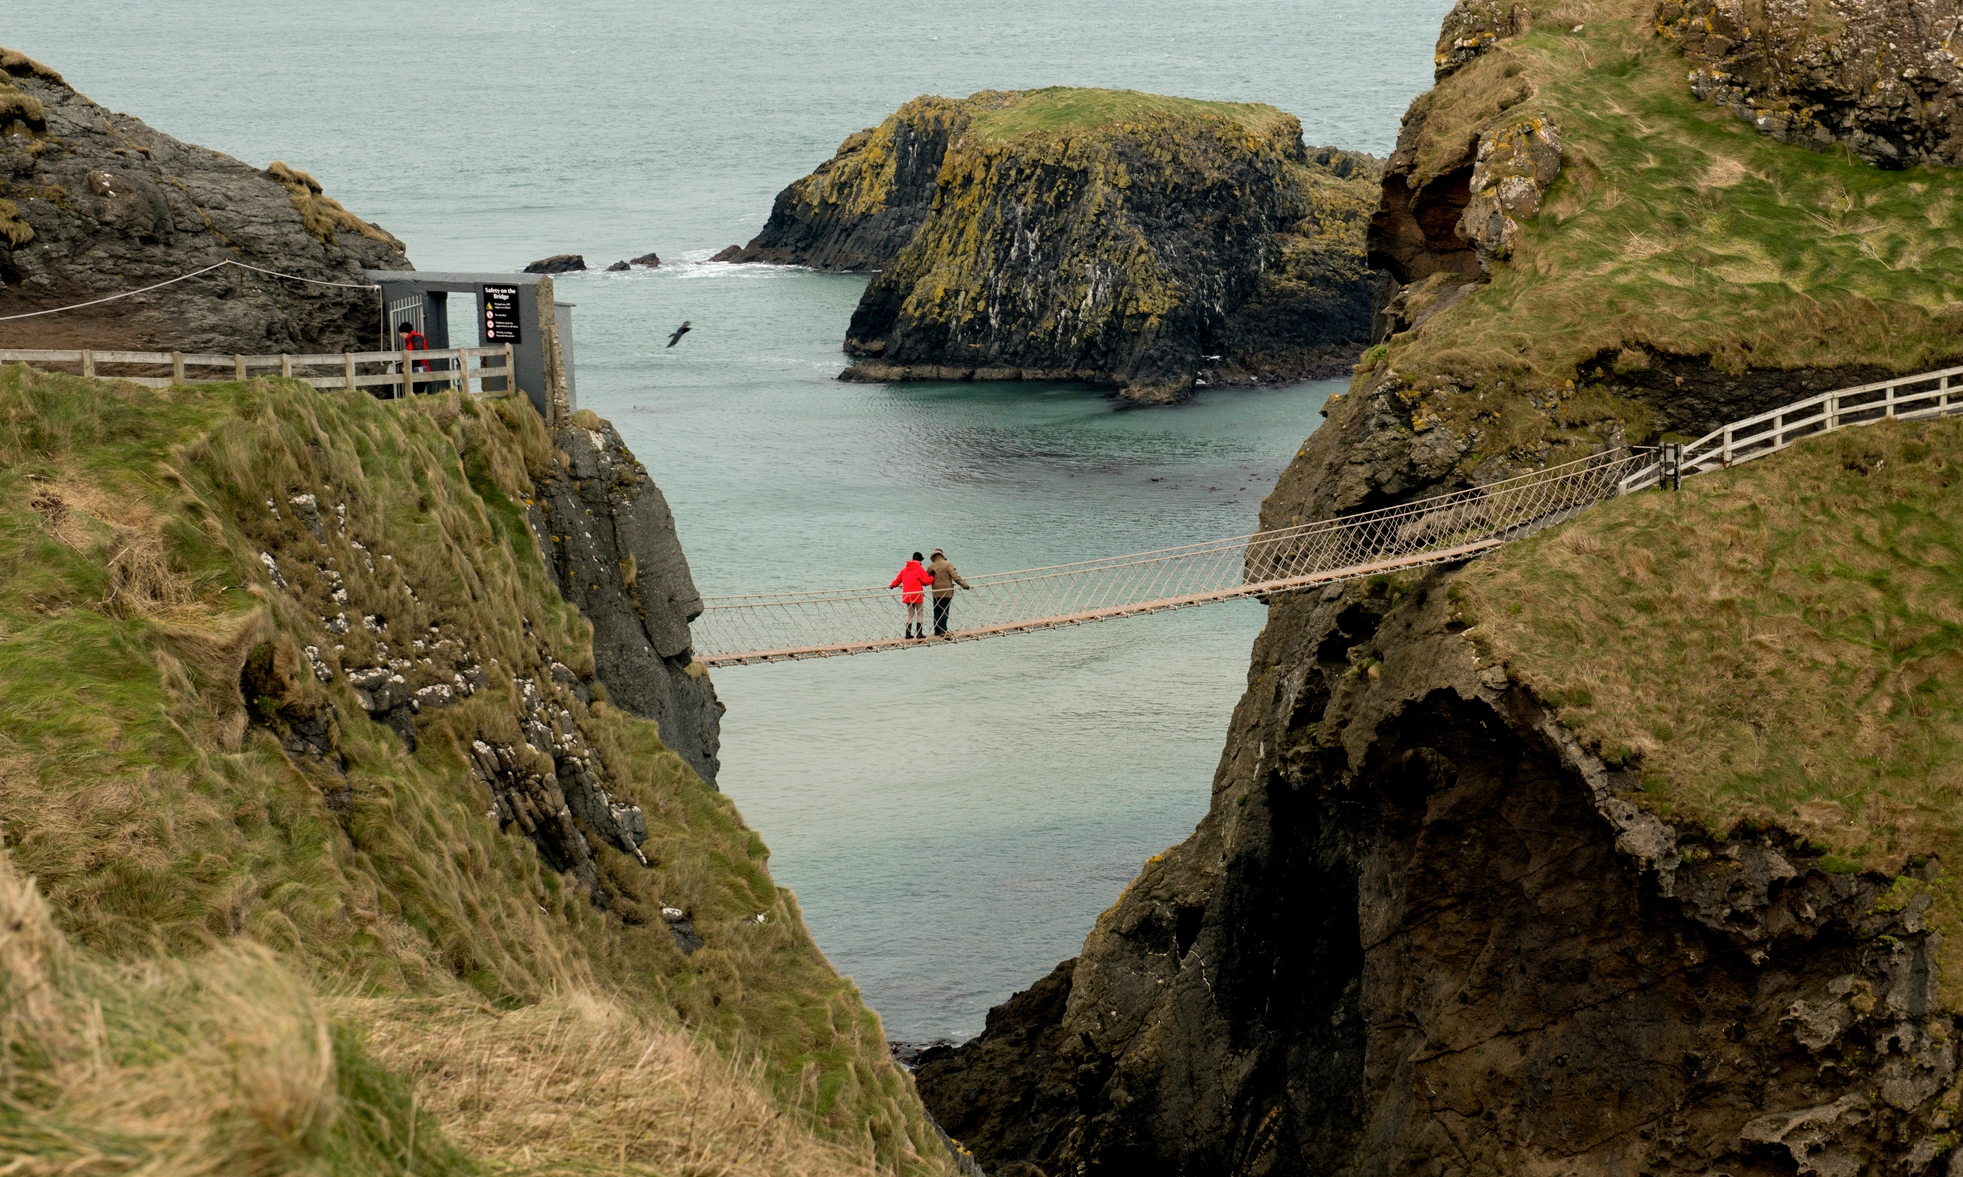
(393, 370)
(1904, 398)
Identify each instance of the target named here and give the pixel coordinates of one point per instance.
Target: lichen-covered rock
(1883, 77)
(1471, 28)
(1150, 243)
(610, 543)
(1511, 170)
(94, 203)
(859, 209)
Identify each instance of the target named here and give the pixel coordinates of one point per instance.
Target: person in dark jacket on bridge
(911, 580)
(945, 578)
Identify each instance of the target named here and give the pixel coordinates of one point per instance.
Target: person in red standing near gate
(414, 340)
(911, 581)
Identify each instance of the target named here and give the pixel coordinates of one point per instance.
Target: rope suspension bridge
(1446, 528)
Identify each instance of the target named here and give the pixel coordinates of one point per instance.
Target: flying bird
(679, 332)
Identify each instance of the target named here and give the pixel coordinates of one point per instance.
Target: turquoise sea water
(952, 820)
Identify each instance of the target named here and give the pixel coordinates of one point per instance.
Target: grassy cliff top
(1003, 117)
(1778, 643)
(1676, 228)
(240, 916)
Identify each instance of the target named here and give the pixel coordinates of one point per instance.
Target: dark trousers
(941, 605)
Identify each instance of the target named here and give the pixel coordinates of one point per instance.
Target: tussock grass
(223, 1064)
(580, 1084)
(323, 214)
(1778, 643)
(1675, 228)
(1066, 110)
(165, 822)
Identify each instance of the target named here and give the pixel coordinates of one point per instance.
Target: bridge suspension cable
(770, 627)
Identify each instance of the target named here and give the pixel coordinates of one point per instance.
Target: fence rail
(462, 368)
(1905, 398)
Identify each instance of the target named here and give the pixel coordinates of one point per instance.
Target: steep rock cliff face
(1881, 78)
(94, 203)
(611, 548)
(1126, 239)
(859, 209)
(1433, 923)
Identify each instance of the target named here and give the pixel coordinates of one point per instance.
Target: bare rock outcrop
(1882, 77)
(1471, 28)
(558, 263)
(1511, 170)
(610, 543)
(1154, 245)
(94, 203)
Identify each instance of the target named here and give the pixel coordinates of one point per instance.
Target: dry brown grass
(224, 1064)
(323, 214)
(580, 1084)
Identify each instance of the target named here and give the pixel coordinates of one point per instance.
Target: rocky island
(1631, 848)
(1145, 243)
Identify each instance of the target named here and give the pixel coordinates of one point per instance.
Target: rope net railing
(768, 627)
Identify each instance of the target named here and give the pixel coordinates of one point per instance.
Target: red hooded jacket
(912, 579)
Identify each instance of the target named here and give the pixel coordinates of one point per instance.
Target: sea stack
(1147, 243)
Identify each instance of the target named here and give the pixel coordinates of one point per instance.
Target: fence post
(349, 356)
(407, 363)
(177, 367)
(239, 362)
(285, 364)
(1889, 402)
(510, 372)
(88, 362)
(1724, 456)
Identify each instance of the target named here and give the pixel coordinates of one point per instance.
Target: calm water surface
(952, 820)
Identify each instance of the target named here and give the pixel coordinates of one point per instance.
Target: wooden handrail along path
(775, 627)
(346, 370)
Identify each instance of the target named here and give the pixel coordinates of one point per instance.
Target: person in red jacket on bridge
(911, 581)
(414, 340)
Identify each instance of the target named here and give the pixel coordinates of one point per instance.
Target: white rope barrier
(770, 627)
(183, 278)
